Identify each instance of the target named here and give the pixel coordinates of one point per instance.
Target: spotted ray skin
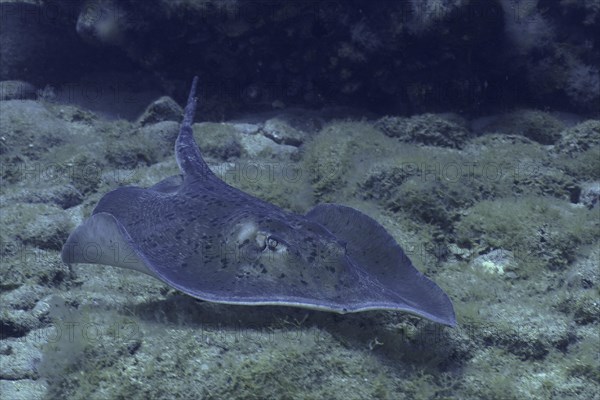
(216, 243)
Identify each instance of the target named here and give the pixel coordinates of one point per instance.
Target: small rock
(281, 132)
(245, 128)
(496, 262)
(254, 145)
(459, 252)
(590, 194)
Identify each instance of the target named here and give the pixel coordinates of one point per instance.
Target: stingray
(216, 243)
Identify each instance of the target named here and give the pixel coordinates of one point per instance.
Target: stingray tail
(187, 152)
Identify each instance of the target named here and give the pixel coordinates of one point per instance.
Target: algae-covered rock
(536, 125)
(40, 225)
(281, 182)
(518, 166)
(64, 196)
(328, 159)
(31, 265)
(164, 131)
(536, 178)
(384, 178)
(308, 122)
(580, 297)
(281, 132)
(541, 232)
(260, 146)
(24, 312)
(428, 129)
(23, 389)
(584, 166)
(163, 109)
(586, 307)
(220, 141)
(525, 293)
(30, 129)
(19, 359)
(430, 202)
(579, 139)
(131, 148)
(339, 149)
(432, 185)
(70, 113)
(585, 274)
(531, 334)
(215, 357)
(17, 323)
(582, 362)
(86, 168)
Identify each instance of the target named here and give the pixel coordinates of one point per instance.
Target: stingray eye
(272, 243)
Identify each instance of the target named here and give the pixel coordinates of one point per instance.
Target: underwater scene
(304, 199)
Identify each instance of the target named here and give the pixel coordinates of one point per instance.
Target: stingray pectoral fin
(101, 239)
(397, 283)
(168, 185)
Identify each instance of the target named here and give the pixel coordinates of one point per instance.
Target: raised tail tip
(190, 107)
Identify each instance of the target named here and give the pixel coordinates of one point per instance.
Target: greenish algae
(531, 334)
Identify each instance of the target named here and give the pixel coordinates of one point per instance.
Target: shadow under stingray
(394, 337)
